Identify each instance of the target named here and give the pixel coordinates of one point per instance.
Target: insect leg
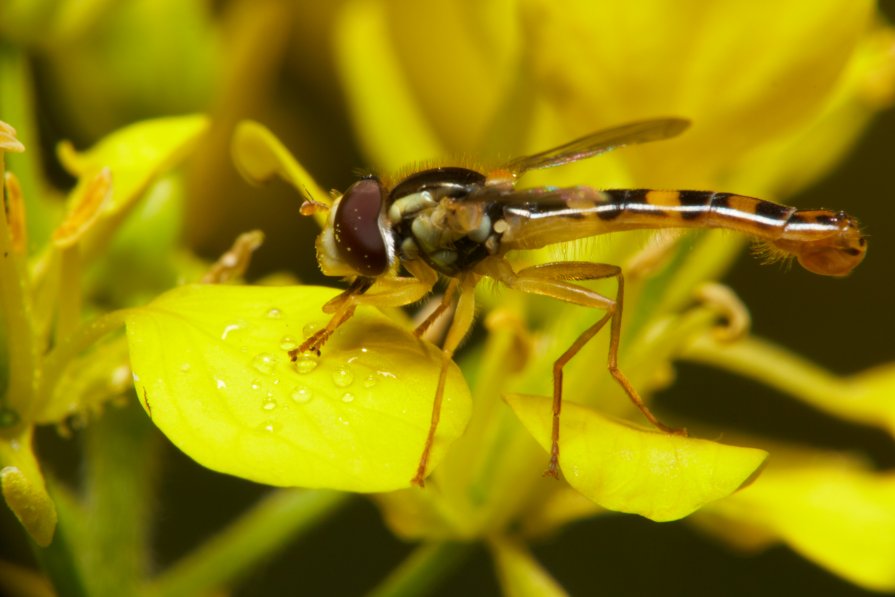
(343, 313)
(553, 280)
(463, 316)
(386, 291)
(443, 306)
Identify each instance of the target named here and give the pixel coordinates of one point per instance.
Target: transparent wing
(599, 142)
(541, 197)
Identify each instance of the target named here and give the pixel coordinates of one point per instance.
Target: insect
(394, 242)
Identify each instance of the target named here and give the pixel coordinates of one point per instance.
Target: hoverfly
(394, 242)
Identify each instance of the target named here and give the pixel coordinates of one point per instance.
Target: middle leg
(555, 280)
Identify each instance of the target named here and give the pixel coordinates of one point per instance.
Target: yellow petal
(212, 369)
(769, 64)
(84, 209)
(837, 513)
(864, 397)
(259, 156)
(391, 124)
(657, 475)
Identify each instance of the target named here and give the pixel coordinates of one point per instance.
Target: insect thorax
(434, 219)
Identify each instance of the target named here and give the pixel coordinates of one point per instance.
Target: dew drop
(370, 381)
(275, 313)
(221, 384)
(233, 327)
(347, 397)
(342, 376)
(263, 363)
(269, 404)
(387, 374)
(256, 385)
(305, 363)
(288, 343)
(302, 395)
(271, 427)
(120, 375)
(309, 329)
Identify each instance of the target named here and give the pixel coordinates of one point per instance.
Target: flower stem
(17, 320)
(70, 346)
(279, 517)
(58, 560)
(421, 572)
(122, 463)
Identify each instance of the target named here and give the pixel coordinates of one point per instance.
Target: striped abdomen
(824, 241)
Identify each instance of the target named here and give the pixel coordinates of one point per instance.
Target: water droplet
(288, 343)
(347, 397)
(275, 313)
(342, 376)
(301, 395)
(370, 381)
(343, 421)
(120, 375)
(221, 384)
(263, 363)
(309, 329)
(271, 427)
(305, 363)
(256, 385)
(233, 327)
(269, 404)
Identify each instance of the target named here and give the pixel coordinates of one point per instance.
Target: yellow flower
(56, 367)
(776, 94)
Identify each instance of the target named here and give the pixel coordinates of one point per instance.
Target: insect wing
(599, 142)
(538, 197)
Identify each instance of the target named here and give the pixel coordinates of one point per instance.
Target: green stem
(72, 345)
(122, 461)
(422, 571)
(58, 560)
(16, 310)
(69, 298)
(278, 518)
(17, 108)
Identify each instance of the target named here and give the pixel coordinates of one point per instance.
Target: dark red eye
(356, 224)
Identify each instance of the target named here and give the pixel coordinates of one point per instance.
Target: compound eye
(358, 236)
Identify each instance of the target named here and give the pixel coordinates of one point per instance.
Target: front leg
(385, 291)
(342, 307)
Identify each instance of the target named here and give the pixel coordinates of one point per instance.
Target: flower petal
(212, 370)
(836, 513)
(387, 116)
(657, 475)
(259, 156)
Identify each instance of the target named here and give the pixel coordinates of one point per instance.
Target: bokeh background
(119, 62)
